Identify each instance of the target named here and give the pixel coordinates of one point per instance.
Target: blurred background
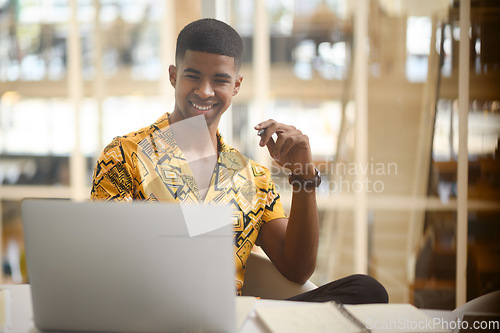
(75, 74)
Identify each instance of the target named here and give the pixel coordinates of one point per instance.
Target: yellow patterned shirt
(148, 165)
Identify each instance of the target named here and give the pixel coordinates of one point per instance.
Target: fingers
(266, 130)
(269, 128)
(288, 138)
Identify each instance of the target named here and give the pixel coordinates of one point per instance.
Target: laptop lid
(114, 267)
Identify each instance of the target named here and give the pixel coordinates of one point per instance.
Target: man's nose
(205, 90)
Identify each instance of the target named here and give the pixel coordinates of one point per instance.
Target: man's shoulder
(127, 141)
(134, 138)
(130, 141)
(259, 169)
(235, 160)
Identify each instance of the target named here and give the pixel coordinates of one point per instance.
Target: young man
(182, 157)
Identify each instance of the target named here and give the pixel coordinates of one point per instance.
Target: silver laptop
(112, 267)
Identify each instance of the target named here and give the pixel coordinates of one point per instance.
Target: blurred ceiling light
(10, 98)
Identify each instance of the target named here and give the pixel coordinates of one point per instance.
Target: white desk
(21, 313)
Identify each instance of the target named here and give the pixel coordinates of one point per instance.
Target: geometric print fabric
(148, 165)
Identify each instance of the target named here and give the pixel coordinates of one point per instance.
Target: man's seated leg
(353, 289)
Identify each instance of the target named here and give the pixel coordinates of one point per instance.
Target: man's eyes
(218, 81)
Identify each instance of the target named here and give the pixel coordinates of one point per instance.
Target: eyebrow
(197, 72)
(191, 70)
(224, 75)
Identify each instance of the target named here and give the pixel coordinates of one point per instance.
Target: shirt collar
(228, 156)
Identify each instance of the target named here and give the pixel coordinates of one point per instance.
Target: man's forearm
(302, 235)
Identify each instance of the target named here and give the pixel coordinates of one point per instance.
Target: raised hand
(291, 149)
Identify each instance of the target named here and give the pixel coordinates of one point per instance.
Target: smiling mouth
(202, 107)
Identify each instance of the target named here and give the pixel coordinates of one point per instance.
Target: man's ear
(172, 74)
(237, 84)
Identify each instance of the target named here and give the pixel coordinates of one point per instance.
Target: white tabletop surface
(20, 311)
(19, 315)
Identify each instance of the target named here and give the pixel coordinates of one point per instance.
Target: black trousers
(353, 289)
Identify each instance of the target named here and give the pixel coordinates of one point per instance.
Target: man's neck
(194, 137)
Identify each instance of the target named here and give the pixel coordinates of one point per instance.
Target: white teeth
(202, 108)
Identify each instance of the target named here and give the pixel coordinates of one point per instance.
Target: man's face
(204, 85)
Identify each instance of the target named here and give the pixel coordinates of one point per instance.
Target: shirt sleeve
(273, 208)
(112, 180)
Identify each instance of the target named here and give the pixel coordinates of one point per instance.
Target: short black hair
(211, 36)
